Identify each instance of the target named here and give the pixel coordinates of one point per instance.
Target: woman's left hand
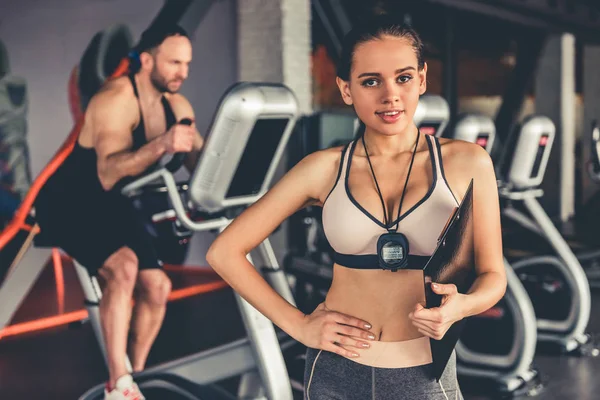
(435, 322)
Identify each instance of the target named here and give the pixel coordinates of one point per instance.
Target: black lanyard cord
(385, 214)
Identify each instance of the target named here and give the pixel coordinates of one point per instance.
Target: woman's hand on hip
(335, 332)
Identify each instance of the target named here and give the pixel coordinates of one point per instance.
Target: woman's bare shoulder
(463, 161)
(322, 160)
(320, 168)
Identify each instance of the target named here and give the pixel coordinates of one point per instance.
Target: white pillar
(555, 98)
(274, 45)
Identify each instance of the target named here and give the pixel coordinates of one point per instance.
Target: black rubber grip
(177, 160)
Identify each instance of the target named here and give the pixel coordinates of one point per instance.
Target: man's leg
(151, 295)
(119, 274)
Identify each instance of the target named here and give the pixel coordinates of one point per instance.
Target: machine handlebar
(177, 160)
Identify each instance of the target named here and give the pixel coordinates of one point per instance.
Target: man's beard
(159, 82)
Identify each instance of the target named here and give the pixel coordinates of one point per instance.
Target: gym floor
(63, 362)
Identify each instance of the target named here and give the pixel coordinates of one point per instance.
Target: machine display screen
(258, 155)
(482, 140)
(535, 170)
(429, 128)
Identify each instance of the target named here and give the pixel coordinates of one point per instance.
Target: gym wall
(46, 39)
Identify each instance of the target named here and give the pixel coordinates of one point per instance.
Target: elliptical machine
(499, 344)
(230, 175)
(432, 115)
(475, 128)
(557, 286)
(588, 218)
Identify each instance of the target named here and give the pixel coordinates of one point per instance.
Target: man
(129, 125)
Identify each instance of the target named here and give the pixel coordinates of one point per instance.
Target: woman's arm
(463, 162)
(490, 285)
(305, 184)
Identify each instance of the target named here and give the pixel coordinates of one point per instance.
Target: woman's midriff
(384, 299)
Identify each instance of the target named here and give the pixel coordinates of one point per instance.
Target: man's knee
(121, 269)
(155, 286)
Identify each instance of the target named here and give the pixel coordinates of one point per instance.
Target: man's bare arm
(113, 118)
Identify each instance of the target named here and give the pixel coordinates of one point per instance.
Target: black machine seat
(101, 58)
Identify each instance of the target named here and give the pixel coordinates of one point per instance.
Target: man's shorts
(92, 233)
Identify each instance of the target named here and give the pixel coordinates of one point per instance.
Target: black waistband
(368, 261)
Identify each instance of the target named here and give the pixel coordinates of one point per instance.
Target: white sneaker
(125, 389)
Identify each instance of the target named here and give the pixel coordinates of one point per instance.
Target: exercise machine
(590, 213)
(475, 128)
(557, 285)
(585, 244)
(15, 176)
(432, 115)
(499, 344)
(242, 151)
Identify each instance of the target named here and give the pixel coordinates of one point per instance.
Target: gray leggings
(328, 376)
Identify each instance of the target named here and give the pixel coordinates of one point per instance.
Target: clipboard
(453, 261)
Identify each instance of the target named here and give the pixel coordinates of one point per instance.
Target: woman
(370, 338)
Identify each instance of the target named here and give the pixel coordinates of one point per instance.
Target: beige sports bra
(353, 232)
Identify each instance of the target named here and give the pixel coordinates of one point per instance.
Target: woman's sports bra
(353, 232)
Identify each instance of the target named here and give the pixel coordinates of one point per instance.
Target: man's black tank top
(76, 185)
